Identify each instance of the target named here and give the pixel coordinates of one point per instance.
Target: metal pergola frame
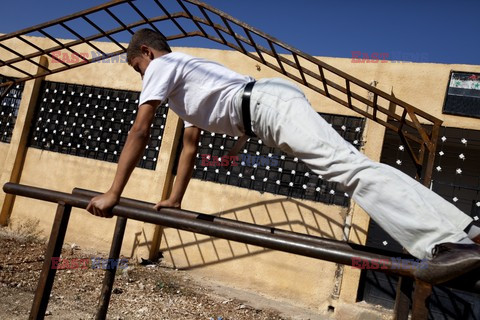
(412, 124)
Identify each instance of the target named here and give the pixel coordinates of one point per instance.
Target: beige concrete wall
(277, 274)
(3, 153)
(285, 276)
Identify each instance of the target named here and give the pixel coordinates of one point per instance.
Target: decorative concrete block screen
(9, 109)
(268, 169)
(91, 122)
(456, 177)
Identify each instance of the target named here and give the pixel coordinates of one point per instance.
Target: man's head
(145, 46)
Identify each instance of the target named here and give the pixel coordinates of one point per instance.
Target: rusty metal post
(402, 298)
(54, 249)
(420, 300)
(109, 278)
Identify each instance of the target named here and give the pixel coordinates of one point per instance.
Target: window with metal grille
(267, 169)
(91, 122)
(9, 109)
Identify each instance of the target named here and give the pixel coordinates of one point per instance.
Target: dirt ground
(152, 291)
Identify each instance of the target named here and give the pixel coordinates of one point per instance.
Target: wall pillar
(12, 168)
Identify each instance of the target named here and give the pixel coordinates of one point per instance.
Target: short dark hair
(147, 37)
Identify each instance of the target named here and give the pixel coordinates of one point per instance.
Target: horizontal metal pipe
(176, 218)
(360, 251)
(324, 249)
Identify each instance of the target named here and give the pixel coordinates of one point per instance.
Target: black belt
(247, 123)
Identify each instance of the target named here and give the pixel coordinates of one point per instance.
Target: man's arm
(132, 151)
(185, 169)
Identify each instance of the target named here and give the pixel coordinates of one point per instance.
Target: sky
(414, 30)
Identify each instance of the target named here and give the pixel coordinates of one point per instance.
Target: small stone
(48, 313)
(143, 310)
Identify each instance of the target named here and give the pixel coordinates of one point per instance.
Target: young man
(209, 96)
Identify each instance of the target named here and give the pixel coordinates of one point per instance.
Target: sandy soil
(140, 291)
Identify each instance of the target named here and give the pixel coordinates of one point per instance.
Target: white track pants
(412, 214)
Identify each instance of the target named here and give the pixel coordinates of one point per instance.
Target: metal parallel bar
(54, 249)
(351, 247)
(331, 250)
(310, 246)
(109, 277)
(171, 18)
